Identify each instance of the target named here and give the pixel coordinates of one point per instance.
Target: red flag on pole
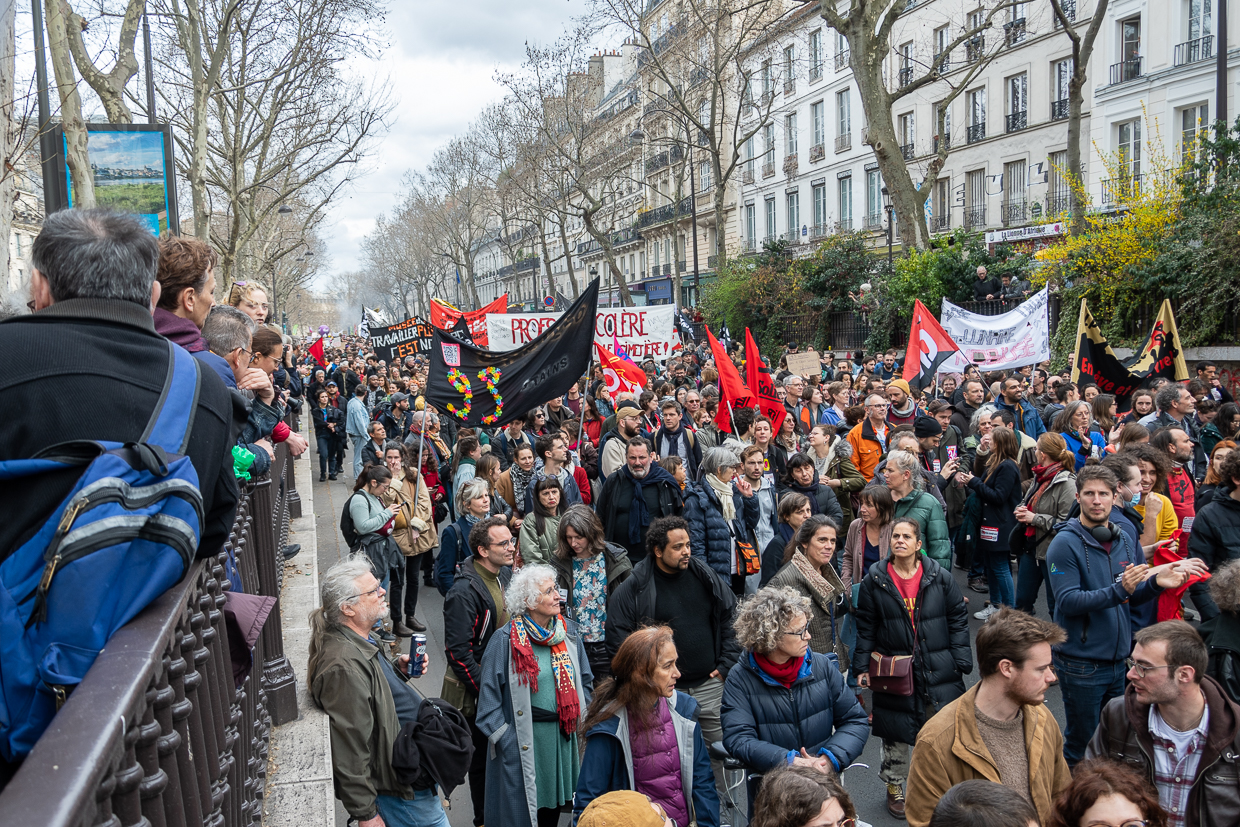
(929, 346)
(621, 375)
(763, 385)
(732, 390)
(316, 350)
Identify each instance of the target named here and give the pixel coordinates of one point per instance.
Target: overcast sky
(442, 59)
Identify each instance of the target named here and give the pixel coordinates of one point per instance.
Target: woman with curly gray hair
(536, 684)
(782, 703)
(1222, 632)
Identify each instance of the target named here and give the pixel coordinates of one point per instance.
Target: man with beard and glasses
(674, 439)
(628, 425)
(640, 492)
(999, 730)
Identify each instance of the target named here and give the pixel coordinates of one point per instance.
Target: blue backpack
(126, 533)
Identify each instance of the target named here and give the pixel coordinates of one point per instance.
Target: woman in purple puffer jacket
(641, 735)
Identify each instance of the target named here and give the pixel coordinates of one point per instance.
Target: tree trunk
(907, 201)
(83, 194)
(109, 86)
(1075, 179)
(568, 258)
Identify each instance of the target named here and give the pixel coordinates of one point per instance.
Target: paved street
(868, 792)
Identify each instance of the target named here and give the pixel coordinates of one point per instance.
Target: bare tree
(1082, 50)
(696, 72)
(868, 25)
(71, 119)
(110, 85)
(401, 269)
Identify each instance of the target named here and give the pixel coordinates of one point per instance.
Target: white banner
(644, 332)
(1018, 337)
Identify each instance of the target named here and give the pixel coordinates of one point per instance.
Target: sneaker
(384, 635)
(979, 585)
(291, 550)
(895, 801)
(985, 613)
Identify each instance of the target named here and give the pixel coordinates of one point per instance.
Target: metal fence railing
(158, 733)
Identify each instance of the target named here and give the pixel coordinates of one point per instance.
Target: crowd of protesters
(638, 589)
(632, 581)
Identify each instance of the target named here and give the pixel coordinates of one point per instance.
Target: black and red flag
(758, 377)
(932, 346)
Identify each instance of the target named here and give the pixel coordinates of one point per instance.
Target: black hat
(926, 426)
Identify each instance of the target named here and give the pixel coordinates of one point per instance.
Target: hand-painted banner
(1010, 340)
(643, 332)
(444, 316)
(396, 341)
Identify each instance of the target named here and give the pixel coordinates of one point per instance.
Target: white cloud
(441, 59)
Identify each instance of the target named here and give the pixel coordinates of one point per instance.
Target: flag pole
(733, 418)
(421, 446)
(581, 417)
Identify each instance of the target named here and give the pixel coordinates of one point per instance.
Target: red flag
(316, 350)
(621, 375)
(732, 390)
(759, 378)
(930, 343)
(444, 316)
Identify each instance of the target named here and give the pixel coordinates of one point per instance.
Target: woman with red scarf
(1046, 504)
(536, 685)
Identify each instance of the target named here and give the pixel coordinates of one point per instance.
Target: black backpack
(351, 537)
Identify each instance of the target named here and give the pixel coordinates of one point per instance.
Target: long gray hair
(337, 589)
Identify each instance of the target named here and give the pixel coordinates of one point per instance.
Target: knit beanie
(620, 808)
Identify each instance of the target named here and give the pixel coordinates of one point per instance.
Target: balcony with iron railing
(747, 175)
(793, 236)
(1194, 50)
(1016, 121)
(873, 222)
(750, 245)
(1058, 203)
(946, 142)
(1126, 70)
(626, 236)
(1120, 190)
(906, 76)
(821, 230)
(816, 153)
(790, 86)
(654, 271)
(974, 48)
(667, 269)
(844, 225)
(1059, 110)
(975, 217)
(670, 156)
(941, 221)
(791, 164)
(712, 262)
(1014, 31)
(1015, 212)
(841, 60)
(942, 63)
(1069, 11)
(665, 213)
(768, 169)
(906, 151)
(975, 133)
(815, 73)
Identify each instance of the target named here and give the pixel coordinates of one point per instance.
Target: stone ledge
(299, 773)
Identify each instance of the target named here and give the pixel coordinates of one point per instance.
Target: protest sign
(804, 364)
(411, 337)
(642, 332)
(1018, 337)
(444, 317)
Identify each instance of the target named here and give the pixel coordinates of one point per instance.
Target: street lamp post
(593, 276)
(890, 227)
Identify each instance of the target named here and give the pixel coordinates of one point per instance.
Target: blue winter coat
(1027, 418)
(608, 762)
(1090, 602)
(709, 536)
(453, 548)
(763, 723)
(1097, 447)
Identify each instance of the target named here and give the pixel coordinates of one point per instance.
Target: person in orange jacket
(869, 437)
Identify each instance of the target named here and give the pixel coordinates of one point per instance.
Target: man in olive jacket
(350, 679)
(1014, 658)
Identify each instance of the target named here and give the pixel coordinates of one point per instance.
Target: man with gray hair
(1174, 409)
(228, 334)
(795, 386)
(93, 288)
(366, 698)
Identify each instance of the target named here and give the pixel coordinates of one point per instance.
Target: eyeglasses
(253, 356)
(804, 632)
(509, 543)
(1142, 670)
(374, 591)
(1131, 823)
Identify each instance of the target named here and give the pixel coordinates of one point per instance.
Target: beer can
(417, 650)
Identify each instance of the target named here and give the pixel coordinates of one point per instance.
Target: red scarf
(785, 673)
(522, 633)
(1043, 476)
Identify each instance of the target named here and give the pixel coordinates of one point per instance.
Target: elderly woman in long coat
(536, 684)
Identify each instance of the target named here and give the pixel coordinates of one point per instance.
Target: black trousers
(600, 662)
(478, 774)
(403, 592)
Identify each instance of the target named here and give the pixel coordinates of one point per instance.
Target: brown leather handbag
(891, 674)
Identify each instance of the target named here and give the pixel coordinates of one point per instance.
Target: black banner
(1160, 355)
(483, 388)
(412, 337)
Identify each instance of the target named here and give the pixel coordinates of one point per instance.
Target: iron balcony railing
(874, 222)
(975, 217)
(1194, 50)
(815, 73)
(817, 153)
(768, 169)
(943, 63)
(976, 132)
(841, 60)
(747, 175)
(1015, 212)
(820, 230)
(1014, 31)
(844, 225)
(1059, 110)
(158, 732)
(790, 86)
(906, 150)
(1119, 190)
(843, 143)
(906, 76)
(1058, 203)
(1016, 121)
(940, 221)
(1125, 70)
(974, 48)
(946, 142)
